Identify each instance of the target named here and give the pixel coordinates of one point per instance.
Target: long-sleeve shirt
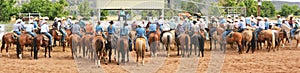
(261, 25)
(44, 28)
(124, 31)
(99, 29)
(152, 27)
(17, 27)
(279, 21)
(267, 24)
(75, 28)
(111, 29)
(35, 24)
(29, 27)
(140, 31)
(242, 25)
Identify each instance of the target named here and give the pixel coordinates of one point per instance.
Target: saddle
(297, 31)
(58, 32)
(230, 34)
(45, 38)
(15, 36)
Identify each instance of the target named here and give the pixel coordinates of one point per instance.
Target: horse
(132, 35)
(75, 43)
(140, 48)
(248, 40)
(184, 42)
(111, 42)
(122, 48)
(24, 40)
(57, 36)
(41, 40)
(297, 38)
(197, 39)
(154, 41)
(236, 37)
(86, 44)
(215, 37)
(167, 39)
(99, 49)
(7, 39)
(266, 35)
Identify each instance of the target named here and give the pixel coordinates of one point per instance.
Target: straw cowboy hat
(259, 18)
(228, 16)
(36, 18)
(46, 18)
(44, 22)
(63, 18)
(278, 15)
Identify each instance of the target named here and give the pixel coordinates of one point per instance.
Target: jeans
(241, 30)
(63, 34)
(226, 33)
(257, 31)
(18, 32)
(124, 17)
(293, 32)
(31, 33)
(279, 25)
(49, 36)
(143, 37)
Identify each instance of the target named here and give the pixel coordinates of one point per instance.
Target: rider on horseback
(152, 28)
(261, 26)
(242, 25)
(111, 29)
(99, 29)
(30, 28)
(279, 21)
(45, 30)
(295, 28)
(214, 22)
(267, 24)
(35, 23)
(229, 28)
(61, 28)
(76, 29)
(141, 33)
(125, 32)
(17, 27)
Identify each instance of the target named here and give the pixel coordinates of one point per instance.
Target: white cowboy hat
(18, 20)
(252, 15)
(58, 18)
(221, 17)
(228, 16)
(266, 18)
(236, 20)
(44, 22)
(63, 18)
(259, 18)
(278, 15)
(46, 18)
(30, 22)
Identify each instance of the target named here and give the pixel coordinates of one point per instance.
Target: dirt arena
(284, 60)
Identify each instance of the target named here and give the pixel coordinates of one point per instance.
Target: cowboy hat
(36, 18)
(291, 16)
(19, 20)
(259, 18)
(30, 22)
(252, 15)
(46, 18)
(236, 20)
(63, 18)
(278, 15)
(221, 17)
(266, 18)
(44, 22)
(228, 16)
(70, 16)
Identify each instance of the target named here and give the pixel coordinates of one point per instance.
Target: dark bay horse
(24, 40)
(122, 48)
(41, 40)
(99, 50)
(57, 37)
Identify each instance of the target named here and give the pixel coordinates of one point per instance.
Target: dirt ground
(284, 60)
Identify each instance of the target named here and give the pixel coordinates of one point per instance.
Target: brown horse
(24, 40)
(58, 37)
(7, 40)
(140, 48)
(41, 40)
(235, 38)
(74, 41)
(297, 38)
(153, 40)
(122, 48)
(99, 49)
(248, 40)
(132, 35)
(266, 35)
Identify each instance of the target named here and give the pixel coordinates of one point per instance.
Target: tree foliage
(267, 9)
(84, 9)
(251, 6)
(7, 9)
(287, 10)
(46, 8)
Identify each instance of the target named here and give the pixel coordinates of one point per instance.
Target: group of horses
(98, 48)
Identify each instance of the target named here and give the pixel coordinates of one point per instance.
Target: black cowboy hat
(111, 22)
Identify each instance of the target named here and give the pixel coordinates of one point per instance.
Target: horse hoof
(20, 56)
(49, 56)
(118, 63)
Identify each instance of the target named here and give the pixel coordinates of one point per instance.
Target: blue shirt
(124, 31)
(111, 30)
(248, 21)
(253, 24)
(279, 21)
(152, 27)
(99, 28)
(75, 28)
(35, 24)
(267, 25)
(242, 25)
(187, 25)
(140, 32)
(223, 21)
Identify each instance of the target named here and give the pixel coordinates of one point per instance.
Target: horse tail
(273, 39)
(168, 41)
(3, 42)
(140, 47)
(253, 42)
(99, 44)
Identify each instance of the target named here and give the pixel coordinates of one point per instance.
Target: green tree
(84, 9)
(267, 9)
(45, 7)
(7, 9)
(287, 10)
(251, 6)
(104, 14)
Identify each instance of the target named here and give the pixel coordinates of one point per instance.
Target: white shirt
(44, 28)
(29, 27)
(261, 25)
(166, 27)
(17, 27)
(58, 25)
